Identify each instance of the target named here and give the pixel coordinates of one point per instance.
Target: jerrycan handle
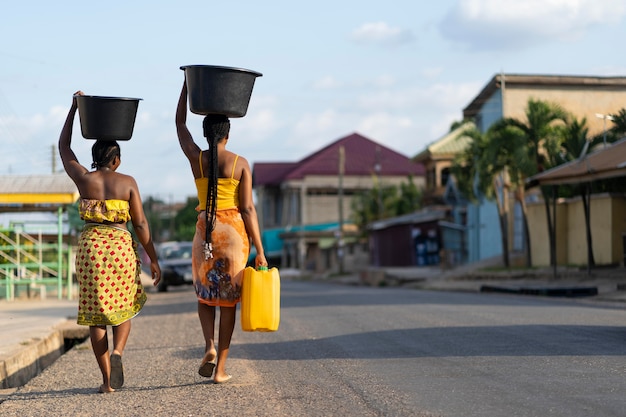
(262, 268)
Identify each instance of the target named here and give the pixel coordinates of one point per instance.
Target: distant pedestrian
(107, 264)
(227, 221)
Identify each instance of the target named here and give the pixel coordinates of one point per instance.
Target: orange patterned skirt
(217, 281)
(107, 269)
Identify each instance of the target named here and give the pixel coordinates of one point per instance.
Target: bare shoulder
(243, 162)
(127, 181)
(125, 177)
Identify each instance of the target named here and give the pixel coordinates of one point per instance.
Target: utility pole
(604, 118)
(378, 169)
(54, 159)
(342, 158)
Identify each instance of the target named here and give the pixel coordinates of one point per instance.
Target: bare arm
(189, 147)
(248, 213)
(73, 168)
(142, 229)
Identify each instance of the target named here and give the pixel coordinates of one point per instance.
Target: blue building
(507, 95)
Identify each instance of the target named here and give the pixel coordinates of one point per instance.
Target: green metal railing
(27, 260)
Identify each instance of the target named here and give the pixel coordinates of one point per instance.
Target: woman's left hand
(260, 261)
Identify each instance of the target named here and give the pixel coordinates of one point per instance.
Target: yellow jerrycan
(260, 300)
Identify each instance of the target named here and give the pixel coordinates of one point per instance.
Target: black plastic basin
(219, 90)
(107, 118)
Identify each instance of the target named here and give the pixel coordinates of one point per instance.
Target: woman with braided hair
(227, 222)
(107, 265)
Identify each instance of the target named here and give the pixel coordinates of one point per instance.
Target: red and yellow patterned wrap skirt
(217, 281)
(107, 269)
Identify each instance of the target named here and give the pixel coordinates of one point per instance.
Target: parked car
(175, 262)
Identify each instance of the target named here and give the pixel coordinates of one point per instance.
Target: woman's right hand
(155, 269)
(76, 94)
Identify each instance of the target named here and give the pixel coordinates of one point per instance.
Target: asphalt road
(359, 351)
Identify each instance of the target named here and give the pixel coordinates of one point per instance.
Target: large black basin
(219, 90)
(107, 118)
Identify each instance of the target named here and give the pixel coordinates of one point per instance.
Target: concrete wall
(483, 231)
(580, 102)
(608, 224)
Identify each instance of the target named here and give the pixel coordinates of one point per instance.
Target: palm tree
(543, 134)
(619, 126)
(508, 145)
(575, 144)
(479, 173)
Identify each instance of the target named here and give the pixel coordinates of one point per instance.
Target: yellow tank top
(227, 189)
(101, 211)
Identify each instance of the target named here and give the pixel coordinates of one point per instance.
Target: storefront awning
(608, 162)
(18, 192)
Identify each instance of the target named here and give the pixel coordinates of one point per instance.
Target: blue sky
(397, 72)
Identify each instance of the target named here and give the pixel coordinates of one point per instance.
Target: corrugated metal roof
(608, 162)
(452, 143)
(37, 189)
(422, 216)
(362, 155)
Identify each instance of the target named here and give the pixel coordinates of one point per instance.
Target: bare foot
(222, 378)
(105, 389)
(209, 356)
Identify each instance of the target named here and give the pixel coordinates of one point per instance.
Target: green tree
(542, 133)
(185, 220)
(507, 146)
(618, 130)
(576, 143)
(153, 216)
(480, 172)
(409, 198)
(379, 203)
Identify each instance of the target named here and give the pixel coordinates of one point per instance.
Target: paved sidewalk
(32, 336)
(32, 332)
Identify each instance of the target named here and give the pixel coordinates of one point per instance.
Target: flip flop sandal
(207, 368)
(117, 371)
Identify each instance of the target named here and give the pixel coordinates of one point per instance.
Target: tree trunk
(586, 194)
(521, 198)
(501, 201)
(546, 203)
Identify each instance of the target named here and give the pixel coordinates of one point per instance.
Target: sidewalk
(598, 285)
(32, 332)
(32, 337)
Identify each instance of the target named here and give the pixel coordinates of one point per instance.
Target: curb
(543, 291)
(37, 355)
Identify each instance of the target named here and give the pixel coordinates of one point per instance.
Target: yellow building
(607, 212)
(507, 96)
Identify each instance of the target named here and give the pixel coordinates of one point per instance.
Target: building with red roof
(301, 198)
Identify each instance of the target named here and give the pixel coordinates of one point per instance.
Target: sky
(397, 72)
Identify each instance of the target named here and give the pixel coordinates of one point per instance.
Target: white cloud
(382, 34)
(490, 24)
(384, 81)
(257, 127)
(432, 98)
(28, 142)
(327, 83)
(403, 119)
(432, 72)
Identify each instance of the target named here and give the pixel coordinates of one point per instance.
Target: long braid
(216, 127)
(211, 195)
